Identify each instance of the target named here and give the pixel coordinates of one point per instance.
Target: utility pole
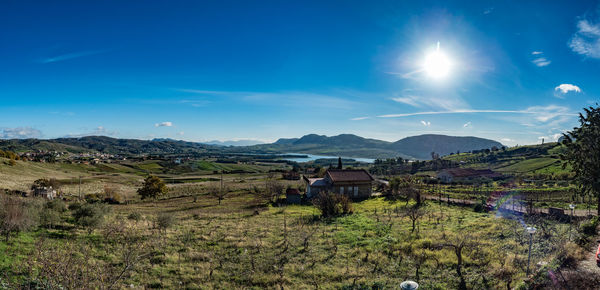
(572, 207)
(531, 231)
(80, 187)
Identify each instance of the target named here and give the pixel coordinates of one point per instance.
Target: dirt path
(585, 276)
(589, 264)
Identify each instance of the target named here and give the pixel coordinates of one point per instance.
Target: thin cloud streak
(69, 56)
(457, 112)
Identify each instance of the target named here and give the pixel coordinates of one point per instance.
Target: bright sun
(437, 64)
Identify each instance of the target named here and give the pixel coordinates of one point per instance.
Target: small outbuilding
(462, 174)
(45, 192)
(293, 196)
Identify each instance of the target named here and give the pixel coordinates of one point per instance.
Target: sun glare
(437, 64)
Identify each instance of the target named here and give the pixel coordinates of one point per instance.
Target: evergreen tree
(583, 152)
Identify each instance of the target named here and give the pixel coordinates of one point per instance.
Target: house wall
(353, 190)
(445, 177)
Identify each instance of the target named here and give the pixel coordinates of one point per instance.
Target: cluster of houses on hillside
(82, 158)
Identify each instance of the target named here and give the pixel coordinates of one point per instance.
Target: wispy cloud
(290, 99)
(360, 118)
(541, 114)
(98, 131)
(69, 56)
(540, 60)
(446, 101)
(19, 133)
(586, 41)
(164, 124)
(426, 124)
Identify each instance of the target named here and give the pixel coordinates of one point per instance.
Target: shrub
(480, 206)
(16, 215)
(57, 205)
(332, 204)
(569, 255)
(51, 213)
(114, 198)
(589, 227)
(164, 221)
(135, 216)
(91, 215)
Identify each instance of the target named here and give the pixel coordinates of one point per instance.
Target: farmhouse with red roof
(355, 183)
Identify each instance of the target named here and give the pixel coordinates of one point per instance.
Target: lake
(311, 157)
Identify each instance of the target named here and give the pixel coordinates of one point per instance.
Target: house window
(341, 190)
(356, 191)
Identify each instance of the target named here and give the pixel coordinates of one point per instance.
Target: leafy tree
(339, 166)
(583, 152)
(153, 187)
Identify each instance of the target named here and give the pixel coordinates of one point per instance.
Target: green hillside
(530, 159)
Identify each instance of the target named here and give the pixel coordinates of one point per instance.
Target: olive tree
(153, 187)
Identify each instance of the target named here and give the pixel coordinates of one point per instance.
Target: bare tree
(16, 215)
(72, 265)
(414, 213)
(273, 188)
(218, 192)
(459, 243)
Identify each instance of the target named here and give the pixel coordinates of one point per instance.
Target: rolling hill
(347, 145)
(421, 146)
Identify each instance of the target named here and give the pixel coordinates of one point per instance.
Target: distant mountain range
(347, 145)
(234, 143)
(416, 147)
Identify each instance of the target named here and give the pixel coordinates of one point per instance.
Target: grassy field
(243, 243)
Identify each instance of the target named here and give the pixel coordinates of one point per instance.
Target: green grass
(529, 165)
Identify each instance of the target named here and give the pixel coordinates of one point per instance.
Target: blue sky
(230, 70)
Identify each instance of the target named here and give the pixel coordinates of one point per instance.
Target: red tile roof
(337, 175)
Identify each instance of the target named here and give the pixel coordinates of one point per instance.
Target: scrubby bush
(135, 216)
(17, 215)
(569, 255)
(112, 195)
(51, 213)
(332, 204)
(91, 215)
(164, 221)
(589, 227)
(480, 206)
